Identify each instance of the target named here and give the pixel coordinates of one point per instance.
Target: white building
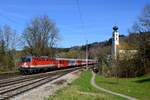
(118, 51)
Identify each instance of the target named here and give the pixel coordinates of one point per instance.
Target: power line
(83, 29)
(80, 14)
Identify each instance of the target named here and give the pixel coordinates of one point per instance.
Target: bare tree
(144, 19)
(7, 47)
(41, 35)
(143, 23)
(142, 30)
(7, 39)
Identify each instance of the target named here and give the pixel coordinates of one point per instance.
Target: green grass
(82, 84)
(137, 87)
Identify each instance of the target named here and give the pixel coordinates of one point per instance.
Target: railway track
(18, 85)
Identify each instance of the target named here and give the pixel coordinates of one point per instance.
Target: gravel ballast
(44, 91)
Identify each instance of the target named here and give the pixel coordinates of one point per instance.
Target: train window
(26, 59)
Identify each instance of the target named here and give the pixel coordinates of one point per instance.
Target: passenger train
(33, 64)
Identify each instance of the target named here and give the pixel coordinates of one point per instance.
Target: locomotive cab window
(26, 59)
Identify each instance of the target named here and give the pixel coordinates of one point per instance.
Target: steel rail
(7, 92)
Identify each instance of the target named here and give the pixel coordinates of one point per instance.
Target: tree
(101, 53)
(7, 39)
(41, 36)
(7, 47)
(144, 51)
(144, 19)
(143, 23)
(142, 30)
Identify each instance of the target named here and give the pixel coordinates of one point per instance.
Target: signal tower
(115, 42)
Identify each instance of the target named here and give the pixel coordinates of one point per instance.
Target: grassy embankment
(137, 87)
(82, 84)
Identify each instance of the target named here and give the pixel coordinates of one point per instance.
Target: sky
(93, 22)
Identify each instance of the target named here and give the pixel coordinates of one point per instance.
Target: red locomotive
(32, 64)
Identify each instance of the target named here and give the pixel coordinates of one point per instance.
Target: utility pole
(87, 54)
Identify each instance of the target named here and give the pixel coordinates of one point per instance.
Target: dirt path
(108, 91)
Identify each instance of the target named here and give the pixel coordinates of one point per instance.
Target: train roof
(58, 58)
(73, 59)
